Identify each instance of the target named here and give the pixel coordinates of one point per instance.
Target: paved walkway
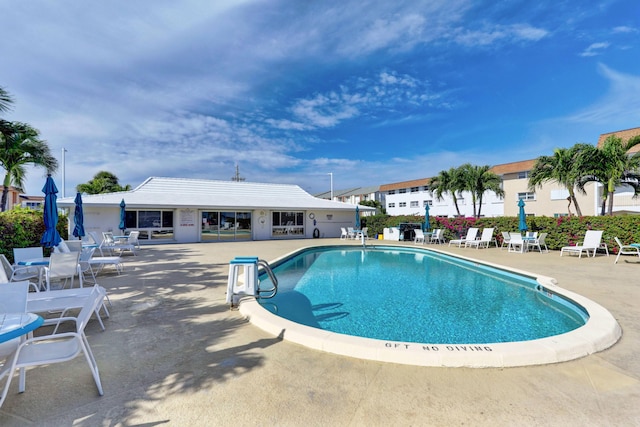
(174, 354)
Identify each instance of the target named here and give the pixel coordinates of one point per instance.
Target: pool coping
(599, 333)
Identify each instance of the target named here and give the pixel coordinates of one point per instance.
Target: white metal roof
(198, 193)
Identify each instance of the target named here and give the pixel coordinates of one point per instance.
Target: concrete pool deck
(174, 354)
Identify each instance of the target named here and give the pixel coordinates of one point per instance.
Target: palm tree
(447, 182)
(20, 145)
(563, 168)
(5, 100)
(477, 180)
(613, 166)
(102, 182)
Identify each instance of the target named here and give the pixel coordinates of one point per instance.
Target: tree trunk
(5, 192)
(572, 194)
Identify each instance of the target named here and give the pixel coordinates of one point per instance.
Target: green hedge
(22, 228)
(563, 231)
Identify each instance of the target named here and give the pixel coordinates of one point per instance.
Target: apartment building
(623, 200)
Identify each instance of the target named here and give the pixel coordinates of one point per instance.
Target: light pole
(64, 150)
(331, 176)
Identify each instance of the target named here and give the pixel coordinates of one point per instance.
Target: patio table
(14, 325)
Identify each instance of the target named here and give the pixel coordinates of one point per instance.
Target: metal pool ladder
(248, 283)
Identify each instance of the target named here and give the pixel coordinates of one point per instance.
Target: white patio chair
(54, 348)
(107, 243)
(516, 243)
(485, 239)
(129, 245)
(17, 273)
(24, 254)
(592, 242)
(13, 299)
(419, 236)
(63, 267)
(539, 242)
(472, 233)
(437, 236)
(343, 233)
(351, 234)
(505, 239)
(626, 250)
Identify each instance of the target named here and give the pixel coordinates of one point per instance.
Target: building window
(287, 224)
(151, 224)
(391, 192)
(527, 196)
(415, 204)
(402, 190)
(415, 189)
(523, 175)
(402, 205)
(392, 205)
(427, 202)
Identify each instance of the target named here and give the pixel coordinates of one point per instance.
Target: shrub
(21, 228)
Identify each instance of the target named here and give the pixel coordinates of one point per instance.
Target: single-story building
(194, 210)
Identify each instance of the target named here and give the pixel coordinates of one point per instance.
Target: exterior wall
(492, 205)
(623, 200)
(187, 223)
(550, 199)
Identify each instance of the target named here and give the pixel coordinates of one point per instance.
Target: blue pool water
(402, 294)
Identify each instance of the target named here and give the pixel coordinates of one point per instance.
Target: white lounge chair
(66, 299)
(626, 250)
(419, 236)
(472, 233)
(54, 348)
(592, 242)
(483, 242)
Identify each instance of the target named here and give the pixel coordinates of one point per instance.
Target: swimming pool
(418, 306)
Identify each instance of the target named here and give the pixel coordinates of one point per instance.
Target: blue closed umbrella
(78, 218)
(51, 237)
(522, 223)
(357, 217)
(427, 224)
(123, 224)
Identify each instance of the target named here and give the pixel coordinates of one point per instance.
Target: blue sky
(373, 92)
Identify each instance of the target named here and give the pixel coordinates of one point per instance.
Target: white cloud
(493, 34)
(625, 30)
(618, 108)
(595, 49)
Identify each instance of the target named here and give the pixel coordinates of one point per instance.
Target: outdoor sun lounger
(592, 242)
(485, 239)
(471, 235)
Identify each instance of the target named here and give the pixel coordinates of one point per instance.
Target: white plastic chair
(419, 236)
(54, 348)
(351, 234)
(626, 250)
(343, 233)
(63, 267)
